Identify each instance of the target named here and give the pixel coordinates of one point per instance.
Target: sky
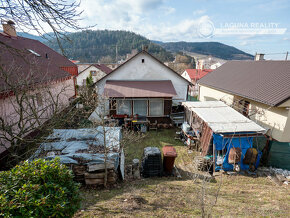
(198, 21)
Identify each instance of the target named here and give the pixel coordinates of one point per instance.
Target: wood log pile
(94, 174)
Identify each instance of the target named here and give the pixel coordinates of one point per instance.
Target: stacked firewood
(94, 174)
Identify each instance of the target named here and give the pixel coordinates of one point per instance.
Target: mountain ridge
(96, 45)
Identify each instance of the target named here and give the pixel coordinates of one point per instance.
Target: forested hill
(92, 46)
(100, 45)
(215, 49)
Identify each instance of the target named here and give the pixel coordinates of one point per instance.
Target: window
(140, 107)
(143, 60)
(93, 73)
(124, 107)
(84, 82)
(246, 108)
(156, 107)
(34, 52)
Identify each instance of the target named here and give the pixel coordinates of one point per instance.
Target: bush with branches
(38, 189)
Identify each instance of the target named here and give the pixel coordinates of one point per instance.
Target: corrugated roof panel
(222, 118)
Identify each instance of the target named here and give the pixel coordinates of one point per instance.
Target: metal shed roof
(222, 118)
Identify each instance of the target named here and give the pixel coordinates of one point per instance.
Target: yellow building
(261, 91)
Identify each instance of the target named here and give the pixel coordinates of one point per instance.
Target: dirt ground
(235, 195)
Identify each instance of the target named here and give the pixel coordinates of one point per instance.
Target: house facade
(144, 86)
(261, 91)
(35, 81)
(97, 71)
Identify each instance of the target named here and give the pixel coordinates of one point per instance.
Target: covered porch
(149, 101)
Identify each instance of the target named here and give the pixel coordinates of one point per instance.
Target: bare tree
(102, 118)
(206, 187)
(26, 106)
(47, 16)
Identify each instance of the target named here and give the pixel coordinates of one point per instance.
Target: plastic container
(169, 155)
(151, 162)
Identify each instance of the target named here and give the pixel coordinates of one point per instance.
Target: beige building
(97, 71)
(261, 91)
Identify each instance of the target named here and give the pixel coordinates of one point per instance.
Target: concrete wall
(62, 91)
(80, 78)
(276, 119)
(151, 69)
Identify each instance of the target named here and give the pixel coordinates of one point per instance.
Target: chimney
(259, 57)
(145, 48)
(9, 28)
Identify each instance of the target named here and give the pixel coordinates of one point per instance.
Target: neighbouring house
(97, 71)
(261, 91)
(144, 86)
(193, 75)
(209, 63)
(35, 81)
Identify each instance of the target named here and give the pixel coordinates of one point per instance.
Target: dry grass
(241, 196)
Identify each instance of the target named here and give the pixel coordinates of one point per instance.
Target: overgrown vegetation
(240, 195)
(38, 189)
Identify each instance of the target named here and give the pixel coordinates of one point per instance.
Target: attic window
(33, 52)
(143, 60)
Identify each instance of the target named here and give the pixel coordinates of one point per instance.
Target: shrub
(38, 189)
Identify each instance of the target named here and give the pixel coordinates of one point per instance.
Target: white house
(97, 71)
(145, 86)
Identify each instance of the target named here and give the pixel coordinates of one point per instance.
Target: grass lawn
(242, 196)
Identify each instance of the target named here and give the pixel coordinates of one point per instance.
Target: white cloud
(169, 10)
(244, 43)
(199, 12)
(138, 16)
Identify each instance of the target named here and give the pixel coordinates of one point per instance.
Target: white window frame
(140, 99)
(117, 106)
(152, 99)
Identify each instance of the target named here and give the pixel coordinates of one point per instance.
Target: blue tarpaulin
(222, 143)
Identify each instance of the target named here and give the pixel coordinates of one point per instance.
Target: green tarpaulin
(279, 155)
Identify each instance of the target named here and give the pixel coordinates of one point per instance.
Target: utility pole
(286, 56)
(116, 53)
(116, 49)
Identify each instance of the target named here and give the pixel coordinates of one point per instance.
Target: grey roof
(221, 118)
(267, 82)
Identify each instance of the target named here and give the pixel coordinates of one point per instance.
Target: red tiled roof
(267, 82)
(196, 74)
(130, 89)
(31, 61)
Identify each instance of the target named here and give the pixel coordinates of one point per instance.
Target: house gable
(86, 73)
(144, 67)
